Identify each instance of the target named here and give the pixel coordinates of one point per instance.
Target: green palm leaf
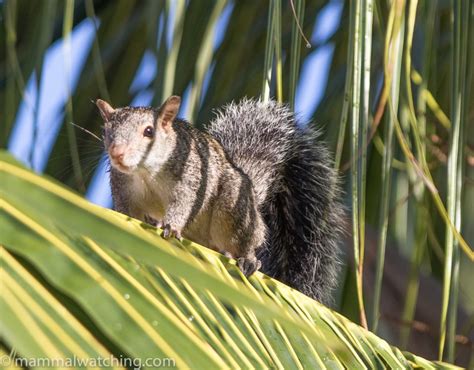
(79, 280)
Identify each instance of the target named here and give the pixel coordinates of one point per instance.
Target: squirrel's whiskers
(86, 131)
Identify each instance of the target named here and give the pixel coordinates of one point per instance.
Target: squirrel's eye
(149, 131)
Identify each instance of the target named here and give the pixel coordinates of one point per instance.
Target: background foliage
(397, 112)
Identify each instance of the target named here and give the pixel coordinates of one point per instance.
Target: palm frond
(83, 281)
(414, 205)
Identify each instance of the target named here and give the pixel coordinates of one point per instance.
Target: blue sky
(55, 85)
(58, 81)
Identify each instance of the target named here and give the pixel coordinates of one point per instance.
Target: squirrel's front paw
(170, 231)
(248, 265)
(151, 221)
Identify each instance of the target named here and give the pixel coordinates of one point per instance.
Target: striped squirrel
(254, 186)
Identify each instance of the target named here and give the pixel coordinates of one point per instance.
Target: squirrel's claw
(169, 231)
(248, 265)
(227, 254)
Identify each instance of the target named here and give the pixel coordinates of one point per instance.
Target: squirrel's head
(137, 137)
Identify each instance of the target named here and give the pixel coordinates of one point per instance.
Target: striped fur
(296, 190)
(256, 185)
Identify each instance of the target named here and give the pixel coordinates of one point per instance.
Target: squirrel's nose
(117, 152)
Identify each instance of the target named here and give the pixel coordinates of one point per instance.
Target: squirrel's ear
(168, 111)
(105, 109)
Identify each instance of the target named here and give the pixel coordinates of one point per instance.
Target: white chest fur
(148, 194)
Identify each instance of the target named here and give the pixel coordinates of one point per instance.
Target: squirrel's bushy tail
(305, 222)
(296, 190)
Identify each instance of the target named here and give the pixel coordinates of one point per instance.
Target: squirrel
(254, 185)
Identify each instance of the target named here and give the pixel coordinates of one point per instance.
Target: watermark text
(12, 359)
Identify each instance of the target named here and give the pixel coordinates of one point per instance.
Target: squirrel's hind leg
(239, 238)
(248, 244)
